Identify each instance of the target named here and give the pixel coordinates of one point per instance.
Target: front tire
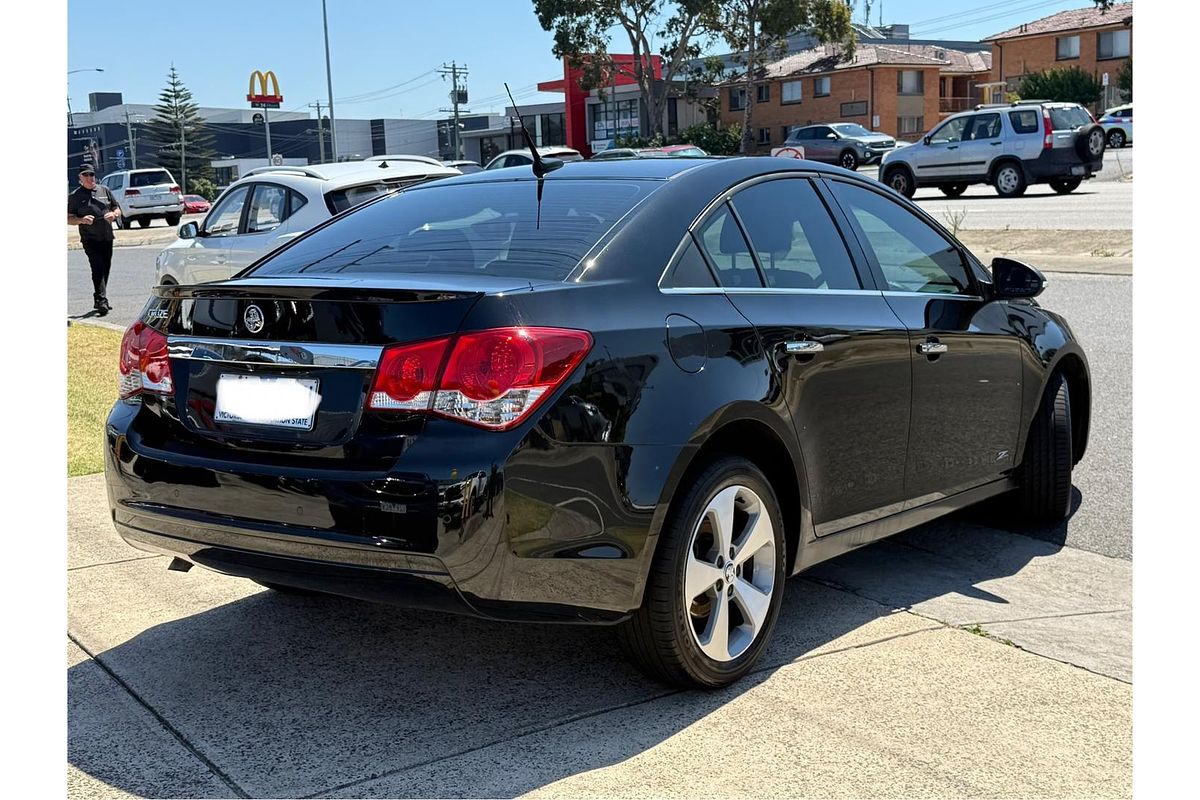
(1065, 185)
(714, 590)
(954, 190)
(1045, 494)
(1009, 180)
(143, 222)
(901, 180)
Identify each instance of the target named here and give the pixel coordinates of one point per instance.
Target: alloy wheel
(729, 578)
(849, 160)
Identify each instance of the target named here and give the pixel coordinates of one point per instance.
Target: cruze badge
(254, 319)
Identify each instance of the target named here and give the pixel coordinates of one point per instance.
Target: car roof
(347, 173)
(542, 151)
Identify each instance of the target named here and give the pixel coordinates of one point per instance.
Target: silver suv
(1009, 146)
(846, 144)
(145, 194)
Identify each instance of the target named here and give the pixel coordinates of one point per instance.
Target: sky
(385, 54)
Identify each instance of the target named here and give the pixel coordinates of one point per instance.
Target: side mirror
(927, 139)
(831, 136)
(1016, 279)
(188, 230)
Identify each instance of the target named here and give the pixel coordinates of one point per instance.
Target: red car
(195, 204)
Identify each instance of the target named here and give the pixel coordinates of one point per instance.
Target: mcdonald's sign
(263, 98)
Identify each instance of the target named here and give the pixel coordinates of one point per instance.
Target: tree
(1125, 80)
(713, 139)
(581, 30)
(204, 187)
(756, 31)
(1062, 84)
(183, 144)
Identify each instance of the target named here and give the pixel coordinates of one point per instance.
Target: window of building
(490, 147)
(764, 135)
(616, 119)
(821, 87)
(909, 125)
(910, 81)
(856, 109)
(790, 93)
(553, 131)
(762, 93)
(1068, 47)
(1112, 44)
(672, 116)
(737, 99)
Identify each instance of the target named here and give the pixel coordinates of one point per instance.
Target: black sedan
(640, 393)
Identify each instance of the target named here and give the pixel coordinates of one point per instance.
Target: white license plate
(1077, 170)
(267, 400)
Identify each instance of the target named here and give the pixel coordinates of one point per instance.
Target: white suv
(273, 205)
(144, 195)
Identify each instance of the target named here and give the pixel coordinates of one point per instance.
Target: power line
(975, 21)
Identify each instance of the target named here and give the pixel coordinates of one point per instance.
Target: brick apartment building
(901, 89)
(1096, 40)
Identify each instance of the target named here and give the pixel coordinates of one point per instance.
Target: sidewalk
(953, 661)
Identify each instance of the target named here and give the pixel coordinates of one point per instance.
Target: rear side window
(340, 200)
(138, 179)
(484, 229)
(722, 240)
(1069, 118)
(268, 208)
(690, 271)
(1027, 121)
(794, 236)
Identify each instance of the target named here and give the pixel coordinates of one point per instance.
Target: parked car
(145, 195)
(521, 158)
(668, 151)
(270, 206)
(1118, 125)
(465, 167)
(682, 151)
(195, 204)
(1009, 146)
(639, 393)
(846, 144)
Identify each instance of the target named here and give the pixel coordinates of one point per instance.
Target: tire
(1116, 138)
(664, 637)
(1090, 143)
(954, 190)
(1009, 180)
(123, 223)
(1045, 494)
(848, 160)
(143, 222)
(1065, 185)
(173, 219)
(901, 180)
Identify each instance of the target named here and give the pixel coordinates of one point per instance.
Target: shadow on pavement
(294, 696)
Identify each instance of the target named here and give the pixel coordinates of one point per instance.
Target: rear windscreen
(137, 179)
(473, 228)
(1068, 119)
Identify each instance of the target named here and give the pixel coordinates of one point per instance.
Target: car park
(639, 392)
(521, 158)
(1118, 125)
(145, 195)
(273, 205)
(846, 144)
(1008, 145)
(195, 204)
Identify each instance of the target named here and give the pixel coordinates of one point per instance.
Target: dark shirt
(97, 202)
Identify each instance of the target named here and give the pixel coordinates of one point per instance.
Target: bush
(714, 139)
(1064, 85)
(203, 187)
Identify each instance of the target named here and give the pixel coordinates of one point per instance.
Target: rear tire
(1116, 138)
(1009, 180)
(723, 545)
(1065, 185)
(173, 219)
(123, 223)
(848, 160)
(143, 222)
(953, 190)
(901, 180)
(1045, 494)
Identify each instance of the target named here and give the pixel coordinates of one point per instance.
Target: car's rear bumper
(1060, 163)
(163, 209)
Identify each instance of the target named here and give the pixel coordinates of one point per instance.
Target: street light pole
(70, 116)
(329, 85)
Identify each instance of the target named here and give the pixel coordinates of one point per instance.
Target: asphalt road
(129, 283)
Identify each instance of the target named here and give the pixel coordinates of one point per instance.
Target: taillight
(144, 364)
(1048, 130)
(493, 378)
(132, 193)
(175, 190)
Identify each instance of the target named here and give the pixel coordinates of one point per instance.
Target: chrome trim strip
(932, 295)
(770, 290)
(280, 354)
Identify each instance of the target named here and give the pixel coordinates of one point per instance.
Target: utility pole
(132, 141)
(457, 97)
(267, 125)
(320, 130)
(329, 85)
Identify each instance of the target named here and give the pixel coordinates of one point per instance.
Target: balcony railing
(952, 105)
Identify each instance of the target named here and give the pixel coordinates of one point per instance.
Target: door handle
(952, 147)
(997, 144)
(803, 348)
(932, 348)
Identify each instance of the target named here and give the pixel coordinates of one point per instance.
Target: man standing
(93, 209)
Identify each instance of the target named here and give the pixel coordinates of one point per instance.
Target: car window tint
(296, 201)
(138, 179)
(913, 256)
(350, 196)
(483, 229)
(983, 126)
(690, 271)
(267, 208)
(951, 132)
(224, 219)
(722, 240)
(794, 236)
(1027, 121)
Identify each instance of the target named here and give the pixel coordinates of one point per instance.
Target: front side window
(794, 236)
(1067, 47)
(821, 87)
(722, 240)
(476, 229)
(1112, 44)
(910, 81)
(791, 92)
(224, 219)
(912, 255)
(268, 208)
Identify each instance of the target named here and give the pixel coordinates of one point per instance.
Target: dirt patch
(1087, 244)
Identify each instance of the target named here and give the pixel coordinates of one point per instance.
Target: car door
(981, 143)
(206, 259)
(839, 351)
(966, 351)
(265, 222)
(936, 158)
(820, 146)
